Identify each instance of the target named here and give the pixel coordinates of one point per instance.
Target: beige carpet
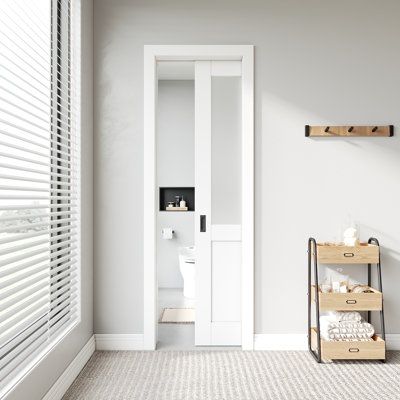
(177, 316)
(232, 375)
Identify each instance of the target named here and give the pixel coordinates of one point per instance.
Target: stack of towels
(345, 326)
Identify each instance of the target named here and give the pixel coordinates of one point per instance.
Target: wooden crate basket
(339, 350)
(364, 253)
(349, 301)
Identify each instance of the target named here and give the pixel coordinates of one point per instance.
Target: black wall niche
(168, 194)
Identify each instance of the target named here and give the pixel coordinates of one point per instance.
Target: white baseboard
(62, 384)
(299, 341)
(393, 341)
(119, 341)
(279, 341)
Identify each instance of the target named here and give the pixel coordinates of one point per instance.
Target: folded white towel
(341, 316)
(345, 330)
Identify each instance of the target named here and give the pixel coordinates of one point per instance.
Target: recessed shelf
(167, 194)
(349, 131)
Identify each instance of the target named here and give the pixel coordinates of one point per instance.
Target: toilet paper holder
(167, 233)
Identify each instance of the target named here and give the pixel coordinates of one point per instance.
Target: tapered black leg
(379, 271)
(312, 254)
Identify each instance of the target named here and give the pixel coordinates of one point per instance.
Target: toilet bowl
(187, 266)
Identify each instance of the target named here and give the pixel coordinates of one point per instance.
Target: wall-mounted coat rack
(349, 131)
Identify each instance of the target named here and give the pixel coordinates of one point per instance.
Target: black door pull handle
(202, 223)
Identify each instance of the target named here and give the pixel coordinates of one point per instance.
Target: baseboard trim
(62, 384)
(393, 341)
(119, 341)
(284, 341)
(299, 341)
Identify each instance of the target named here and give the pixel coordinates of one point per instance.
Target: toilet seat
(187, 267)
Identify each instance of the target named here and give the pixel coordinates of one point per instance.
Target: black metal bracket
(307, 128)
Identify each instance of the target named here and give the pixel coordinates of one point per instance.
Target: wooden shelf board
(176, 209)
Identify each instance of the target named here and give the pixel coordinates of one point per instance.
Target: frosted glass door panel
(226, 125)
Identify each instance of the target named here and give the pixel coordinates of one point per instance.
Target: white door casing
(152, 54)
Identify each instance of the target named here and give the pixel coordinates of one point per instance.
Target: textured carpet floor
(231, 375)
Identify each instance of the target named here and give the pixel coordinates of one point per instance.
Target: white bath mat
(177, 316)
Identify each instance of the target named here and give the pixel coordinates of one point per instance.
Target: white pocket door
(218, 108)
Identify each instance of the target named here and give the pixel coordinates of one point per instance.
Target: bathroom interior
(175, 214)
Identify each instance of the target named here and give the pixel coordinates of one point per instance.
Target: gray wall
(316, 62)
(175, 167)
(40, 380)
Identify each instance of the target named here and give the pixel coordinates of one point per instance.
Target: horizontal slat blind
(39, 178)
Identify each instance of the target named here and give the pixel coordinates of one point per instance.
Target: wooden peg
(374, 129)
(350, 129)
(326, 129)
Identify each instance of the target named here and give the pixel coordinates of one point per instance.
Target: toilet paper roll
(167, 233)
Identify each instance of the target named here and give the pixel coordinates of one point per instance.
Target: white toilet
(187, 266)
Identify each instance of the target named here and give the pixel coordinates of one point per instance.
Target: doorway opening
(198, 196)
(175, 180)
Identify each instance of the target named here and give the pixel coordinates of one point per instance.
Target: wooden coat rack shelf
(349, 131)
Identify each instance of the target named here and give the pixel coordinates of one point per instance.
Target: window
(39, 179)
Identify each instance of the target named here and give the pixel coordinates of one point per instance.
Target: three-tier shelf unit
(364, 253)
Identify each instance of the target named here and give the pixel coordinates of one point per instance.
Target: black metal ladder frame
(312, 255)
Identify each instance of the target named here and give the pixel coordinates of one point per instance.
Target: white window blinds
(39, 178)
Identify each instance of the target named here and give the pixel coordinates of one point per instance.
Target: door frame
(152, 54)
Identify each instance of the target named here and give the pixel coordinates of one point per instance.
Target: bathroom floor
(174, 336)
(178, 336)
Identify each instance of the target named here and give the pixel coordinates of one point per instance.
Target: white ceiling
(175, 70)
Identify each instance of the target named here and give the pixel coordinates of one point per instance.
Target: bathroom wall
(316, 62)
(175, 167)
